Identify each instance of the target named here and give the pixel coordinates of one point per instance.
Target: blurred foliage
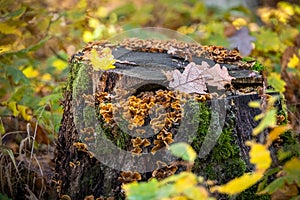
(38, 37)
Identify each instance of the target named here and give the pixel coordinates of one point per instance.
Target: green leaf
(29, 49)
(275, 80)
(17, 75)
(2, 129)
(272, 187)
(4, 197)
(292, 167)
(17, 13)
(9, 152)
(269, 120)
(142, 190)
(267, 40)
(184, 151)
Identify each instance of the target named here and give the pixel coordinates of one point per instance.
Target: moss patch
(224, 162)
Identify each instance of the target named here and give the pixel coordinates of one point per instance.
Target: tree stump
(117, 122)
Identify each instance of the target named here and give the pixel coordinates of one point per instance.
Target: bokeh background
(38, 37)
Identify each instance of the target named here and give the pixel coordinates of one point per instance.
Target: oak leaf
(195, 77)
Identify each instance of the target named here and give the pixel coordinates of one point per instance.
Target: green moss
(75, 66)
(250, 193)
(81, 82)
(224, 162)
(257, 66)
(89, 116)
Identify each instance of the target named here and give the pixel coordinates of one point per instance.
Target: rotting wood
(139, 72)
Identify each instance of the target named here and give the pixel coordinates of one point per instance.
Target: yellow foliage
(87, 36)
(5, 48)
(294, 61)
(260, 156)
(17, 109)
(239, 22)
(47, 77)
(186, 30)
(292, 165)
(29, 72)
(254, 104)
(286, 8)
(13, 107)
(275, 80)
(23, 112)
(102, 12)
(185, 182)
(8, 29)
(94, 23)
(59, 64)
(239, 184)
(276, 132)
(105, 62)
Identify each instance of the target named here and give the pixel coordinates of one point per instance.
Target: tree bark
(87, 162)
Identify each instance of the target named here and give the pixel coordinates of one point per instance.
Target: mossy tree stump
(132, 108)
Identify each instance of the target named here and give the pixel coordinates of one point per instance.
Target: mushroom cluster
(151, 112)
(128, 177)
(183, 50)
(223, 55)
(138, 143)
(105, 106)
(164, 172)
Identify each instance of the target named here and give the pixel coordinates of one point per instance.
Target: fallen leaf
(190, 81)
(242, 41)
(220, 76)
(294, 61)
(104, 62)
(239, 184)
(195, 78)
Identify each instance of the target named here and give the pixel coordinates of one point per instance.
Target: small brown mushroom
(128, 177)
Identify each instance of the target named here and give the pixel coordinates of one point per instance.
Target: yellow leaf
(286, 7)
(185, 182)
(276, 132)
(5, 48)
(102, 12)
(87, 36)
(195, 193)
(47, 77)
(8, 29)
(94, 23)
(254, 104)
(23, 112)
(294, 61)
(239, 22)
(29, 72)
(13, 107)
(259, 155)
(239, 184)
(105, 62)
(59, 64)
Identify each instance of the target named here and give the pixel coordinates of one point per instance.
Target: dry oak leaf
(220, 76)
(195, 77)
